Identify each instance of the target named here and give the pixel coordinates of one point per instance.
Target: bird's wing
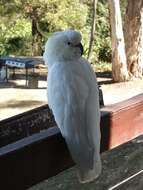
(92, 108)
(68, 99)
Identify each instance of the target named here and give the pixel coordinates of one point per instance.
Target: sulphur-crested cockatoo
(74, 99)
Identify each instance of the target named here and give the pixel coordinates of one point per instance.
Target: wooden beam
(33, 159)
(125, 121)
(121, 170)
(42, 153)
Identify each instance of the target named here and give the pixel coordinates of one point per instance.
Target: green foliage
(102, 42)
(15, 38)
(66, 14)
(17, 34)
(102, 66)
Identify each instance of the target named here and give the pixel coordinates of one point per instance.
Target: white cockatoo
(74, 100)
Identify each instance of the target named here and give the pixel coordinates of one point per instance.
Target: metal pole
(26, 76)
(6, 73)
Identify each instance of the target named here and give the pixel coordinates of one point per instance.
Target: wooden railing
(32, 148)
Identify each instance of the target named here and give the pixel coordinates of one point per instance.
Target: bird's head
(63, 46)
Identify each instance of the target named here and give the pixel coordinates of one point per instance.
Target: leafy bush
(15, 37)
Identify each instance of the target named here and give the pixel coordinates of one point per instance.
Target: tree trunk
(134, 37)
(93, 26)
(119, 65)
(36, 39)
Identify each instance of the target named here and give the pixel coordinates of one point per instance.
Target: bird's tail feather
(88, 175)
(87, 159)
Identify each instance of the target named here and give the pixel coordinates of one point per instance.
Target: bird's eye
(69, 43)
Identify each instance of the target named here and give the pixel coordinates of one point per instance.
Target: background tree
(133, 28)
(93, 25)
(53, 15)
(44, 17)
(119, 66)
(26, 24)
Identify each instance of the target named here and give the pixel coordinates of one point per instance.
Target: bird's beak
(81, 48)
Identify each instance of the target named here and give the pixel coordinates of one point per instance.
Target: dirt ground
(16, 98)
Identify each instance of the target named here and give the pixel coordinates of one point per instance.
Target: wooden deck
(32, 148)
(122, 170)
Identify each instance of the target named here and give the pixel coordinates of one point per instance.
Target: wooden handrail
(42, 152)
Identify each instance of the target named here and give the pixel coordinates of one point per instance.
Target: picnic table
(20, 62)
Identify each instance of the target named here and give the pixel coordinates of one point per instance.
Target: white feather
(74, 99)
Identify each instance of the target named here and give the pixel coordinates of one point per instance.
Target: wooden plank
(35, 158)
(125, 121)
(25, 124)
(122, 169)
(44, 154)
